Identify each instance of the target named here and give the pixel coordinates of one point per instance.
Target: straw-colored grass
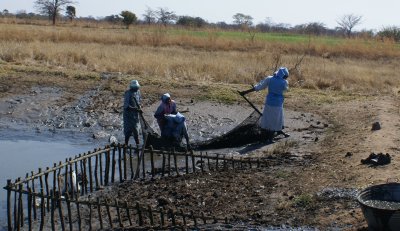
(206, 57)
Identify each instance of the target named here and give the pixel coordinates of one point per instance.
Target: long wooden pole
(251, 104)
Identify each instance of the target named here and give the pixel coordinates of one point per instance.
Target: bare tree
(165, 16)
(52, 8)
(149, 16)
(348, 22)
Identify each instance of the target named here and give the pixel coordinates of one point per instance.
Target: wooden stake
(124, 161)
(67, 200)
(118, 214)
(29, 208)
(162, 217)
(175, 162)
(109, 215)
(208, 162)
(152, 162)
(96, 179)
(107, 170)
(216, 165)
(42, 209)
(20, 208)
(204, 219)
(9, 220)
(90, 216)
(193, 161)
(78, 211)
(201, 162)
(85, 176)
(15, 207)
(143, 156)
(128, 214)
(194, 218)
(53, 224)
(99, 212)
(71, 180)
(46, 176)
(90, 173)
(113, 166)
(101, 169)
(60, 211)
(120, 164)
(33, 197)
(187, 162)
(169, 162)
(139, 211)
(172, 217)
(150, 215)
(131, 161)
(163, 164)
(183, 218)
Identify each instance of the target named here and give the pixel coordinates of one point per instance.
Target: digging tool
(251, 104)
(141, 114)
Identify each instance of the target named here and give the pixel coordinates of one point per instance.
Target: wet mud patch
(97, 115)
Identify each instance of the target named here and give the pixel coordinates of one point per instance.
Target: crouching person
(175, 129)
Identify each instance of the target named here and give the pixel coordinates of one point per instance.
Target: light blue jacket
(276, 86)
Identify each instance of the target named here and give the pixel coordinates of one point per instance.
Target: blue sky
(376, 14)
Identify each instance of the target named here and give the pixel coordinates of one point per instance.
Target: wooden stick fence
(63, 191)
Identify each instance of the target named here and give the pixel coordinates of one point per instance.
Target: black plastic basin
(380, 205)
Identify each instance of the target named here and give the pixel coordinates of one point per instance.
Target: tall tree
(191, 21)
(348, 22)
(165, 16)
(245, 22)
(149, 16)
(71, 12)
(128, 18)
(242, 20)
(5, 12)
(52, 8)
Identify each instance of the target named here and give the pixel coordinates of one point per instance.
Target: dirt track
(315, 188)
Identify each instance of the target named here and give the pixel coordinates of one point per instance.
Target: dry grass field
(159, 53)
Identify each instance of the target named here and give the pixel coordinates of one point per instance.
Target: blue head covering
(282, 72)
(134, 84)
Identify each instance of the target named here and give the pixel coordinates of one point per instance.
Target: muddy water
(19, 157)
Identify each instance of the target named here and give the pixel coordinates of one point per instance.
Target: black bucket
(380, 205)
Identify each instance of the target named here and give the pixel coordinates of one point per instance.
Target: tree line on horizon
(65, 10)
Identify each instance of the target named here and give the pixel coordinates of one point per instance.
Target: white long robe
(273, 116)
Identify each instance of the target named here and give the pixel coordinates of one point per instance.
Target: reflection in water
(23, 156)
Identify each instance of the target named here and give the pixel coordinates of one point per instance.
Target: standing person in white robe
(272, 119)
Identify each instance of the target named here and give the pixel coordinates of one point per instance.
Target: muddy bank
(93, 117)
(52, 113)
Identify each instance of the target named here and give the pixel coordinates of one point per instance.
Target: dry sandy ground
(313, 185)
